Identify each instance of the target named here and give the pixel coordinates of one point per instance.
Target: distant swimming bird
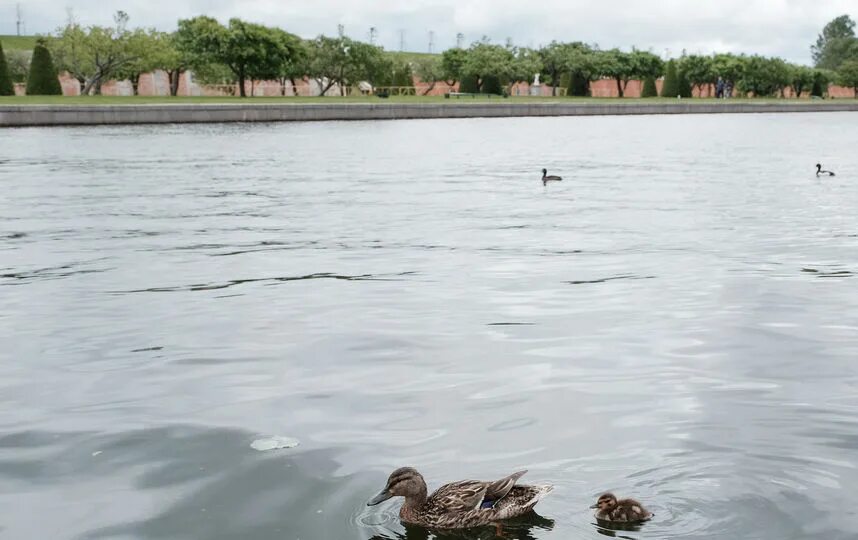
(820, 172)
(623, 510)
(458, 505)
(546, 178)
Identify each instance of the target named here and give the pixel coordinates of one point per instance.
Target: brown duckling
(622, 510)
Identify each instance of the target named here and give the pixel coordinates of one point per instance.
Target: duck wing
(458, 497)
(498, 489)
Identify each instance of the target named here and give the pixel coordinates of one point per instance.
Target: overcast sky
(773, 27)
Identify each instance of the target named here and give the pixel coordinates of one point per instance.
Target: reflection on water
(675, 321)
(521, 528)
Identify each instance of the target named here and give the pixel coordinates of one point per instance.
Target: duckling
(546, 178)
(820, 172)
(458, 505)
(623, 510)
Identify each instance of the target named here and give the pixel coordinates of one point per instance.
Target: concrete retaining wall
(58, 115)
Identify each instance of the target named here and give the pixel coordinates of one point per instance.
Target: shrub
(6, 87)
(491, 85)
(578, 85)
(683, 86)
(670, 88)
(649, 88)
(469, 84)
(43, 79)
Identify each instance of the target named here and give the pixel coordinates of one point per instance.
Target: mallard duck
(623, 510)
(467, 503)
(820, 172)
(546, 178)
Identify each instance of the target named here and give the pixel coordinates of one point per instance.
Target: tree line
(241, 52)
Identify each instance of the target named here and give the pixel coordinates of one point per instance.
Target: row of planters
(42, 78)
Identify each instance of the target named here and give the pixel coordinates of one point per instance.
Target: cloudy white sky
(773, 27)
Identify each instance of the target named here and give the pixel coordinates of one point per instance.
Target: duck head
(606, 502)
(818, 166)
(403, 482)
(544, 172)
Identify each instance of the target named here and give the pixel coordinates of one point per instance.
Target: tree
(429, 70)
(525, 64)
(670, 88)
(43, 79)
(146, 51)
(649, 88)
(554, 57)
(847, 75)
(820, 83)
(109, 51)
(800, 78)
(618, 66)
(490, 64)
(581, 64)
(18, 62)
(764, 76)
(296, 66)
(251, 51)
(452, 62)
(698, 70)
(6, 86)
(682, 84)
(727, 66)
(71, 48)
(835, 44)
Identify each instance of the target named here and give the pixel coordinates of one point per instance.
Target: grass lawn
(24, 43)
(146, 100)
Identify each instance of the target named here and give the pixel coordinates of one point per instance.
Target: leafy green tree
(525, 64)
(452, 64)
(618, 66)
(490, 64)
(670, 87)
(582, 66)
(251, 51)
(820, 83)
(297, 66)
(847, 75)
(18, 62)
(727, 66)
(73, 53)
(764, 76)
(43, 79)
(149, 50)
(6, 86)
(429, 70)
(800, 78)
(698, 70)
(649, 88)
(555, 62)
(836, 44)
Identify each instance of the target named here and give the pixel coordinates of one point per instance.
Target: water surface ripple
(677, 320)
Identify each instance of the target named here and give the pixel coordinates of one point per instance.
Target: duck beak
(382, 496)
(594, 506)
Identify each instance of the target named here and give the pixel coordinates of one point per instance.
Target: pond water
(676, 321)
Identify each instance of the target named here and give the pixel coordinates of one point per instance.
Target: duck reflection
(522, 528)
(612, 529)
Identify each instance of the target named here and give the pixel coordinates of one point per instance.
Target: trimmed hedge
(578, 86)
(649, 88)
(43, 79)
(670, 88)
(6, 86)
(683, 84)
(491, 85)
(469, 84)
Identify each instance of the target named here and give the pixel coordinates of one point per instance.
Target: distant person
(728, 89)
(719, 88)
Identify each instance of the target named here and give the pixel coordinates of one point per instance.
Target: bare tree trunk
(620, 87)
(135, 84)
(174, 76)
(241, 91)
(431, 87)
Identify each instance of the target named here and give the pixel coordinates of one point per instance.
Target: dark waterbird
(546, 178)
(821, 172)
(463, 504)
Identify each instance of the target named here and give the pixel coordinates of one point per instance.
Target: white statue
(536, 80)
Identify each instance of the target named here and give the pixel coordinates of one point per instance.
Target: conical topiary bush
(670, 88)
(649, 89)
(43, 79)
(6, 86)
